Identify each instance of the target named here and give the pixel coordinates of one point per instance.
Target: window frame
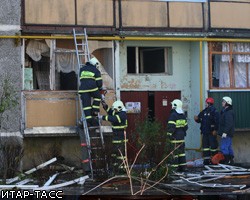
(139, 68)
(230, 53)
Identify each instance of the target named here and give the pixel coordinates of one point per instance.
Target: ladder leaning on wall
(91, 138)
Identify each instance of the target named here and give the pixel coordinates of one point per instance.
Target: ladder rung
(94, 138)
(96, 148)
(79, 34)
(94, 127)
(96, 159)
(81, 44)
(82, 54)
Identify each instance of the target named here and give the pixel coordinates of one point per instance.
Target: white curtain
(240, 74)
(224, 75)
(242, 47)
(241, 62)
(35, 49)
(66, 62)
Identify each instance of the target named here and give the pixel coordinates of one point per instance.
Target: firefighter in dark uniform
(90, 87)
(209, 120)
(118, 117)
(226, 130)
(176, 130)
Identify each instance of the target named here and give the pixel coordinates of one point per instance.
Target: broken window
(149, 60)
(45, 72)
(52, 64)
(229, 65)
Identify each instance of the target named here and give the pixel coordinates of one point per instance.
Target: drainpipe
(201, 95)
(201, 80)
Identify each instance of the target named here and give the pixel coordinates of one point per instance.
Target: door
(154, 105)
(162, 104)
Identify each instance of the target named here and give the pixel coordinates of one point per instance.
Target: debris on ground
(209, 179)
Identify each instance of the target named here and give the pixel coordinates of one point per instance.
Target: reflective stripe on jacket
(177, 125)
(90, 78)
(118, 120)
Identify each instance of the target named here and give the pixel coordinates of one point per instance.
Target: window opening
(149, 60)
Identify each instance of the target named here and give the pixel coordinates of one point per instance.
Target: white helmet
(94, 61)
(177, 105)
(228, 100)
(118, 105)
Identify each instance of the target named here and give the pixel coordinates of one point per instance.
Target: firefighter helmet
(210, 100)
(228, 100)
(118, 105)
(94, 61)
(177, 105)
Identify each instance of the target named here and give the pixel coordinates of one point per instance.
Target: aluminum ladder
(91, 138)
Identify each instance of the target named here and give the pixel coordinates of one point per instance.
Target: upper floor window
(141, 60)
(229, 65)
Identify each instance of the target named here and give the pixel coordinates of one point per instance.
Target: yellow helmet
(118, 105)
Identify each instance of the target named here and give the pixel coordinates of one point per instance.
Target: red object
(210, 100)
(217, 158)
(103, 92)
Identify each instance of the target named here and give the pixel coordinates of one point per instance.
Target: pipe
(124, 38)
(201, 80)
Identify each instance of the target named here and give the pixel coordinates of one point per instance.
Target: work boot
(182, 168)
(94, 122)
(207, 162)
(226, 160)
(231, 160)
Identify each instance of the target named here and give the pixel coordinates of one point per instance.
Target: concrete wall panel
(95, 12)
(50, 12)
(185, 15)
(230, 15)
(149, 14)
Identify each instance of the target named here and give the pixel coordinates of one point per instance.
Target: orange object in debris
(217, 158)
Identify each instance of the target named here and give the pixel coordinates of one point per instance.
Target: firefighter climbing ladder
(92, 141)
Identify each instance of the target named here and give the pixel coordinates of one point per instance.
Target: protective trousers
(179, 156)
(210, 147)
(118, 152)
(88, 107)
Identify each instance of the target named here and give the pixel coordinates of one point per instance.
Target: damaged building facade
(152, 52)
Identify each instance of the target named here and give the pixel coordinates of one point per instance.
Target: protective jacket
(118, 120)
(209, 119)
(90, 78)
(226, 123)
(177, 125)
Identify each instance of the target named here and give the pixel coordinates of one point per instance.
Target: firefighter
(209, 120)
(90, 87)
(176, 130)
(118, 117)
(226, 130)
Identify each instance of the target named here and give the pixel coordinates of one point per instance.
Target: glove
(100, 117)
(104, 105)
(196, 118)
(103, 97)
(214, 133)
(224, 135)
